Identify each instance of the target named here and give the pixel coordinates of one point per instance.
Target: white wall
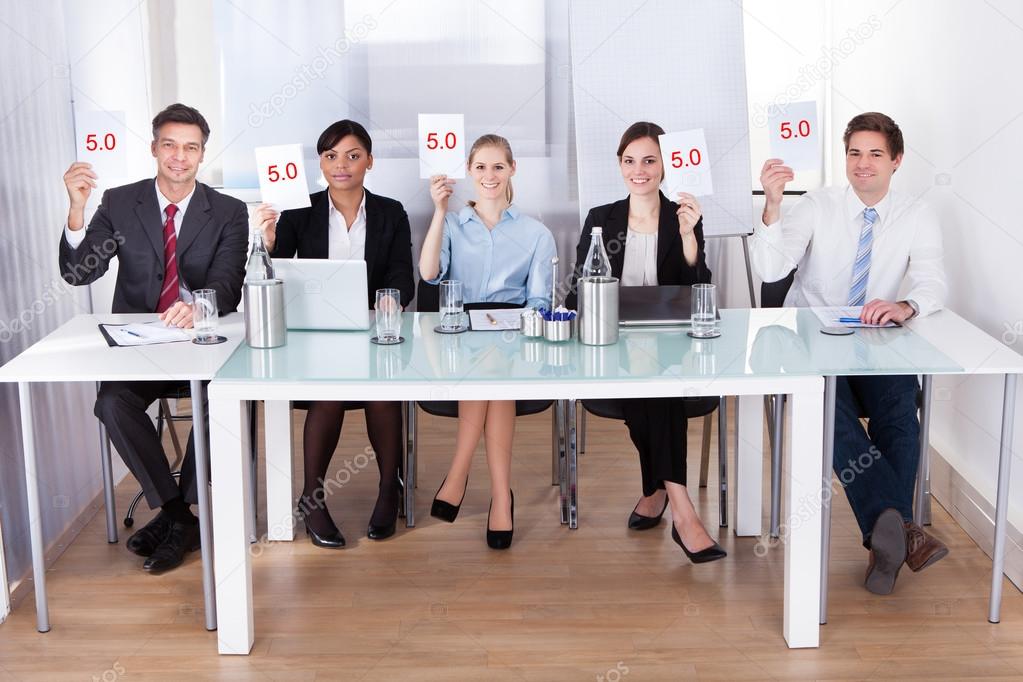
(947, 72)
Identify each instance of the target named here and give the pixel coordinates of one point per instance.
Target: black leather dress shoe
(712, 553)
(639, 522)
(316, 514)
(146, 539)
(181, 539)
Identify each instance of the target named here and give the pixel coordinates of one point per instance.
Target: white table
(488, 365)
(939, 344)
(77, 351)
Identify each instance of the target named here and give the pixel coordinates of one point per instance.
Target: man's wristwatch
(912, 304)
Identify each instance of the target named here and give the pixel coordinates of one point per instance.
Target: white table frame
(163, 362)
(229, 435)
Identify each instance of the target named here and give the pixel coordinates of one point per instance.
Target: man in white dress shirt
(861, 245)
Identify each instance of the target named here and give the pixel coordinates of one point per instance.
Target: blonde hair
(492, 140)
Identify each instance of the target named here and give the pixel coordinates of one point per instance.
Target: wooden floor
(433, 603)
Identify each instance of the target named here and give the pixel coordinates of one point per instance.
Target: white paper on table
(686, 164)
(101, 140)
(831, 316)
(498, 320)
(144, 333)
(442, 145)
(795, 138)
(282, 178)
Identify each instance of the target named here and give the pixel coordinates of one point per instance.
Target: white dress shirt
(640, 266)
(76, 237)
(344, 241)
(820, 234)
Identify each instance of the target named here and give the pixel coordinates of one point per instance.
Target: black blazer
(304, 232)
(211, 246)
(671, 266)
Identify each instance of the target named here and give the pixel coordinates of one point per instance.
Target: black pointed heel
(712, 553)
(445, 511)
(501, 539)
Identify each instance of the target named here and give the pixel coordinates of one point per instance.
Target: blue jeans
(877, 467)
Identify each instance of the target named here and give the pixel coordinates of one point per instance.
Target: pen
(848, 319)
(135, 334)
(491, 318)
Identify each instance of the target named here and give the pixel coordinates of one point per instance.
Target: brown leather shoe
(887, 552)
(923, 549)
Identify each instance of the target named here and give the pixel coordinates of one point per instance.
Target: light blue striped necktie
(861, 269)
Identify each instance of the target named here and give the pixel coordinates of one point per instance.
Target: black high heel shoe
(712, 553)
(639, 522)
(501, 539)
(332, 538)
(445, 511)
(382, 531)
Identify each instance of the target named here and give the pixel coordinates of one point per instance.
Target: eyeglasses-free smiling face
(345, 164)
(869, 165)
(641, 166)
(178, 152)
(491, 171)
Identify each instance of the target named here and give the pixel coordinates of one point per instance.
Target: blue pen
(849, 319)
(135, 334)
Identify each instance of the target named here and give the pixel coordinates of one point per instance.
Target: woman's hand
(266, 221)
(441, 189)
(688, 214)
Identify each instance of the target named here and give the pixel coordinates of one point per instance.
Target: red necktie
(169, 294)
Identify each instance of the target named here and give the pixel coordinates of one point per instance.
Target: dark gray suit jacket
(211, 246)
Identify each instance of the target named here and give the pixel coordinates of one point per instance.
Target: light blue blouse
(509, 264)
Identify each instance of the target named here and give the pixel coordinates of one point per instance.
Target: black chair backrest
(772, 294)
(427, 297)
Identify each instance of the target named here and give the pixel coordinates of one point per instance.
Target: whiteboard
(677, 63)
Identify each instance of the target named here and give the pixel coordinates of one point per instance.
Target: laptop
(323, 293)
(660, 306)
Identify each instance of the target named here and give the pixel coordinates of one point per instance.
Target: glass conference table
(760, 352)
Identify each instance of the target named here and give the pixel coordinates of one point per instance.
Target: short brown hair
(876, 122)
(181, 113)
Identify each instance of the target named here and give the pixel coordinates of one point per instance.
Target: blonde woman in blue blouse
(501, 256)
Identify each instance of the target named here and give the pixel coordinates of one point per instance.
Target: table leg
(202, 459)
(802, 531)
(573, 465)
(410, 463)
(919, 503)
(749, 465)
(1002, 501)
(108, 483)
(35, 518)
(280, 470)
(563, 455)
(231, 500)
(777, 433)
(830, 386)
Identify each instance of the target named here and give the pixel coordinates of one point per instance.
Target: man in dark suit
(171, 236)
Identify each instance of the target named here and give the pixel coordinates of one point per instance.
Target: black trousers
(657, 427)
(121, 406)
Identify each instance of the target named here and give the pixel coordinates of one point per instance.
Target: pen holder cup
(557, 330)
(532, 325)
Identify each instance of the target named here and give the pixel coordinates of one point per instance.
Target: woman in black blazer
(347, 221)
(652, 241)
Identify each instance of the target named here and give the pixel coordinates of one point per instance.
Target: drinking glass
(388, 315)
(705, 311)
(205, 316)
(451, 305)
